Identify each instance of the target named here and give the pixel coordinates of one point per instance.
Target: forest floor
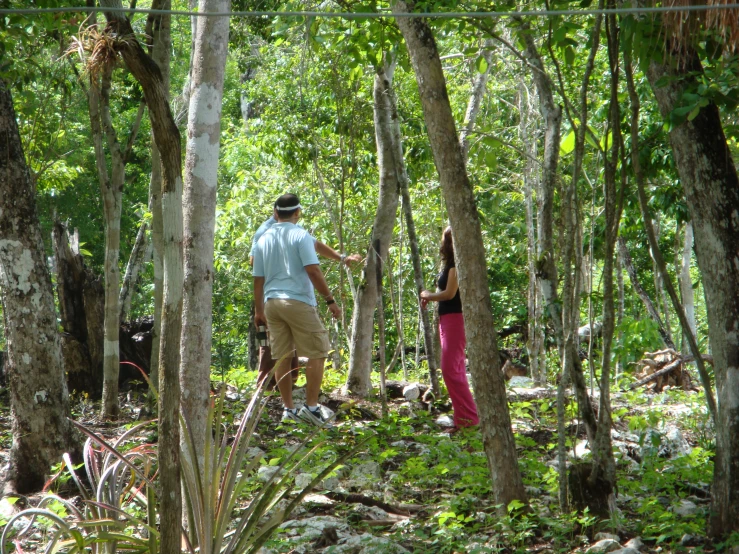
(415, 487)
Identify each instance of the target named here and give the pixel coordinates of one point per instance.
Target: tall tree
(686, 282)
(167, 138)
(111, 191)
(201, 175)
(38, 390)
(500, 448)
(709, 178)
(159, 29)
(390, 162)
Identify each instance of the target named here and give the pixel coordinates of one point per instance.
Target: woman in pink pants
(453, 341)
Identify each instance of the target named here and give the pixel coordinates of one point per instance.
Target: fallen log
(672, 366)
(402, 510)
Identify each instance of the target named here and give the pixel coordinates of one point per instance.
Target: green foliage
(635, 337)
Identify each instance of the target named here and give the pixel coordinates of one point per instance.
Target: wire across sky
(376, 15)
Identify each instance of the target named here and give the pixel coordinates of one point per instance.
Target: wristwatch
(342, 258)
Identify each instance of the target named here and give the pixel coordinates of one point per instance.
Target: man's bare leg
(313, 378)
(285, 382)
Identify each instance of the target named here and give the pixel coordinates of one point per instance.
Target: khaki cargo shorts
(294, 325)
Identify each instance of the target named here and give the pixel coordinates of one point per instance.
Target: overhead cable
(376, 15)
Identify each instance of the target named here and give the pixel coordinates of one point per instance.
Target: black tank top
(453, 306)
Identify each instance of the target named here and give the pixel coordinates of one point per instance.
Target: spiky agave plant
(215, 481)
(120, 486)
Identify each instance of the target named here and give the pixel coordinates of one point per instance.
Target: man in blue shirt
(286, 271)
(266, 363)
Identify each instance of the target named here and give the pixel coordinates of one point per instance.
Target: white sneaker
(290, 414)
(315, 417)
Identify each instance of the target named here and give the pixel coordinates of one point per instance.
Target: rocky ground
(417, 487)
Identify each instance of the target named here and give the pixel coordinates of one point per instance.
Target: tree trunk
(167, 138)
(659, 288)
(111, 191)
(602, 478)
(546, 267)
(500, 448)
(389, 155)
(621, 305)
(38, 391)
(479, 85)
(535, 334)
(201, 177)
(573, 248)
(381, 326)
(159, 29)
(131, 275)
(709, 178)
(81, 313)
(686, 282)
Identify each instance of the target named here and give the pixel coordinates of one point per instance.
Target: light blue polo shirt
(263, 228)
(280, 256)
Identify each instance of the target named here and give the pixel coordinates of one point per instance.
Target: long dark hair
(447, 248)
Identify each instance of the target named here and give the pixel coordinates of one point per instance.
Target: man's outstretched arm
(328, 252)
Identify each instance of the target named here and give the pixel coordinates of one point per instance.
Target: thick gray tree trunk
(167, 138)
(39, 403)
(482, 349)
(389, 154)
(201, 177)
(709, 178)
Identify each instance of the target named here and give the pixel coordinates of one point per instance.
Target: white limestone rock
(412, 392)
(603, 546)
(686, 508)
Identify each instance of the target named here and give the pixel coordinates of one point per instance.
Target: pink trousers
(453, 343)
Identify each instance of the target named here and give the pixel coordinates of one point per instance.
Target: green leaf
(569, 55)
(481, 64)
(491, 141)
(568, 144)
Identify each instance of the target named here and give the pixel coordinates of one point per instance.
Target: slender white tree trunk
(159, 29)
(131, 275)
(483, 355)
(201, 176)
(535, 343)
(686, 282)
(111, 191)
(38, 390)
(389, 156)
